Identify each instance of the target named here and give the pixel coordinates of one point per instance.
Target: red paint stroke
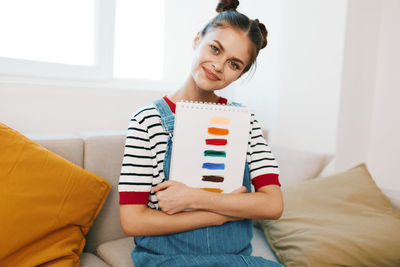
(216, 142)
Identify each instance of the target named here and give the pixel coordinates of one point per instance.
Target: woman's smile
(210, 75)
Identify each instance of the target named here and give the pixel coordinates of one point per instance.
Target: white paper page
(202, 165)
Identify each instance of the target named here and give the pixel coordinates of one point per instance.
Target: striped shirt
(145, 147)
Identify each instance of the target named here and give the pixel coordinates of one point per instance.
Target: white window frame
(104, 18)
(100, 74)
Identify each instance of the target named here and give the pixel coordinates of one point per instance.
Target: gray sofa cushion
(297, 166)
(90, 260)
(261, 247)
(103, 155)
(67, 146)
(117, 253)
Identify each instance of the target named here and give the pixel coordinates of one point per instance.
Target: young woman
(218, 231)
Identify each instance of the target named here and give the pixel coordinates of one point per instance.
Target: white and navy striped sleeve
(136, 175)
(263, 166)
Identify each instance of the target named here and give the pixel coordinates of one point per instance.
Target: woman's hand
(173, 196)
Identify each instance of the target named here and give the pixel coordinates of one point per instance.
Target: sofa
(102, 153)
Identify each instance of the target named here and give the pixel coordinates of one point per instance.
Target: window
(113, 42)
(48, 31)
(139, 40)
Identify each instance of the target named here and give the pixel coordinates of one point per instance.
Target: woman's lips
(210, 75)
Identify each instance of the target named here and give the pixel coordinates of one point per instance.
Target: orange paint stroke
(218, 131)
(216, 190)
(220, 120)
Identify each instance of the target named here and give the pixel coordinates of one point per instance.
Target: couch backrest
(103, 154)
(67, 146)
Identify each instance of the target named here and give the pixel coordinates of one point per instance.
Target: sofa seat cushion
(117, 253)
(48, 204)
(91, 260)
(340, 220)
(261, 247)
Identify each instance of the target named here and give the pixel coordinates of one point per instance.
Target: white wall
(311, 61)
(384, 156)
(46, 108)
(369, 122)
(259, 89)
(358, 83)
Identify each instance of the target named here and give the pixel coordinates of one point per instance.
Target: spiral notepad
(210, 145)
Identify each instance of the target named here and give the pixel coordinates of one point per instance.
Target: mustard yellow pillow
(47, 204)
(340, 220)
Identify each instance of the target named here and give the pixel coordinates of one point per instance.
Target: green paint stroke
(214, 153)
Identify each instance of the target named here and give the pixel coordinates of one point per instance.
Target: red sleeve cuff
(265, 179)
(133, 198)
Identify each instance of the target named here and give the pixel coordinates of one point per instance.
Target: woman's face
(220, 58)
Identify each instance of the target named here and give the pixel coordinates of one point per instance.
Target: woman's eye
(234, 65)
(215, 49)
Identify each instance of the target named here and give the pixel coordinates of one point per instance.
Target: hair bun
(264, 32)
(227, 5)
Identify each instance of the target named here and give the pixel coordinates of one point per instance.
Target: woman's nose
(217, 66)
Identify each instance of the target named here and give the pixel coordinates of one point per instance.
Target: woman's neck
(191, 92)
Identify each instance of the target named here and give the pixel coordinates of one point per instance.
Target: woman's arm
(266, 203)
(139, 220)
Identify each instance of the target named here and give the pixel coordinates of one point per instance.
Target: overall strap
(236, 104)
(167, 117)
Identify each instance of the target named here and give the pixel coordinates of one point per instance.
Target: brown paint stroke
(213, 178)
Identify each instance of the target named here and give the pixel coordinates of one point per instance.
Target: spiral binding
(211, 106)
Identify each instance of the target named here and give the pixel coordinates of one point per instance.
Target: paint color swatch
(216, 142)
(215, 190)
(213, 178)
(213, 153)
(218, 131)
(213, 166)
(209, 145)
(220, 120)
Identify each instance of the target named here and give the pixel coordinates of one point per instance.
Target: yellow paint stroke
(220, 120)
(216, 190)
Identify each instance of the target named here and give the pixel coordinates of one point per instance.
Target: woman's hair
(228, 16)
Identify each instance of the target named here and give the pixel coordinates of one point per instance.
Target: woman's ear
(196, 40)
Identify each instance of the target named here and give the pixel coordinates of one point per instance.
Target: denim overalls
(224, 245)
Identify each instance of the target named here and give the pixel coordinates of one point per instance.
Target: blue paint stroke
(214, 166)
